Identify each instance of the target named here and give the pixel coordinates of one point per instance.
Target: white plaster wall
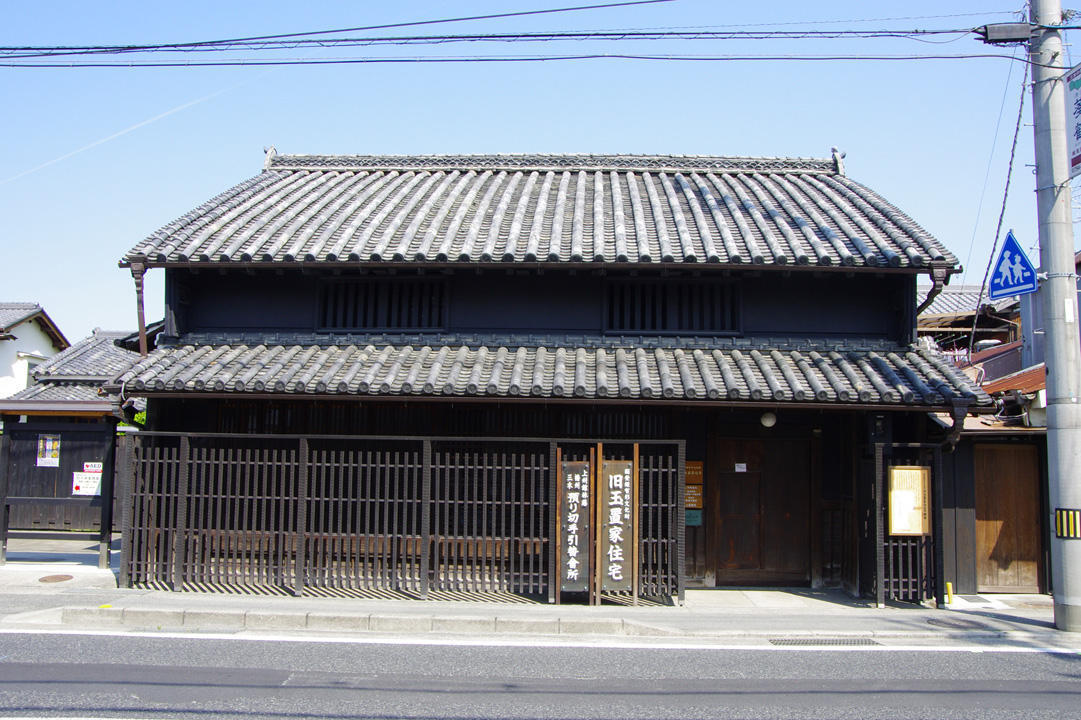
(29, 340)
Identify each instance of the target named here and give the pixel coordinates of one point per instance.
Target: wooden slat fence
(412, 515)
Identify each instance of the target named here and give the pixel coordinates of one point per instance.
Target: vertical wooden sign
(617, 519)
(575, 527)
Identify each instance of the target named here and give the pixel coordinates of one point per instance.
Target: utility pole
(1059, 289)
(1062, 346)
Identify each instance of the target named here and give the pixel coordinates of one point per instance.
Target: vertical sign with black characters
(575, 509)
(617, 526)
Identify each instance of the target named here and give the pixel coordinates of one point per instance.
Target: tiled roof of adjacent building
(960, 300)
(96, 357)
(879, 375)
(76, 374)
(13, 313)
(633, 209)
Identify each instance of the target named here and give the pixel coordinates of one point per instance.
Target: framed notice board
(910, 500)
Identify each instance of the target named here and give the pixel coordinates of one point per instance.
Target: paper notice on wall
(48, 451)
(86, 483)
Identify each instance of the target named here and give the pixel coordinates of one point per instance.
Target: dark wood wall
(800, 303)
(81, 441)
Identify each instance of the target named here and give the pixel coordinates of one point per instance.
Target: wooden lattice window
(382, 304)
(673, 306)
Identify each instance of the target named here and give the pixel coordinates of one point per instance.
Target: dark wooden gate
(1008, 531)
(909, 568)
(758, 506)
(412, 515)
(39, 496)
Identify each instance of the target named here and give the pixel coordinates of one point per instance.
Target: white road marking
(756, 644)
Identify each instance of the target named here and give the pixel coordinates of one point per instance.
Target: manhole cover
(822, 641)
(54, 578)
(957, 624)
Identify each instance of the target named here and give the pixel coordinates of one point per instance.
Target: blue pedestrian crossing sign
(1012, 273)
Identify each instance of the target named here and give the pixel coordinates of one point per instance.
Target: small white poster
(741, 467)
(48, 451)
(86, 483)
(92, 467)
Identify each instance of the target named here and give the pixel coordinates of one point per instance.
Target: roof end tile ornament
(838, 160)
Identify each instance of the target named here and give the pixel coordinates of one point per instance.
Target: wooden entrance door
(1007, 518)
(758, 511)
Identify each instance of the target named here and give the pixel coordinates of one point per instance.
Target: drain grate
(819, 641)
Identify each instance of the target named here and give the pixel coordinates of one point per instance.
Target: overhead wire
(1002, 211)
(987, 171)
(513, 58)
(220, 46)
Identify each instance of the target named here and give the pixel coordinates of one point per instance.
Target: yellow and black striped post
(1068, 524)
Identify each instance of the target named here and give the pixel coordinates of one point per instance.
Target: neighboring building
(28, 337)
(995, 490)
(59, 441)
(382, 373)
(963, 316)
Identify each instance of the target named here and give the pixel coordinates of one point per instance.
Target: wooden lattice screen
(413, 515)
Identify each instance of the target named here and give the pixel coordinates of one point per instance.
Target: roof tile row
(911, 375)
(619, 209)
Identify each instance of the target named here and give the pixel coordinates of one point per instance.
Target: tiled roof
(60, 392)
(95, 357)
(12, 313)
(959, 300)
(913, 375)
(76, 374)
(545, 209)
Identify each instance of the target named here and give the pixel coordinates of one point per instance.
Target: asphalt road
(186, 677)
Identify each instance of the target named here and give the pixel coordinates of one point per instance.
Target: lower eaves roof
(902, 376)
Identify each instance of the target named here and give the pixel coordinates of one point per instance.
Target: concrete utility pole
(1063, 347)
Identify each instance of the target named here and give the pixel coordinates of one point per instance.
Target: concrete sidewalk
(57, 585)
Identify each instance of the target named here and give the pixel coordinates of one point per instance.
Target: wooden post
(300, 568)
(880, 531)
(126, 475)
(596, 461)
(635, 534)
(555, 574)
(108, 491)
(5, 453)
(937, 537)
(425, 517)
(137, 272)
(180, 544)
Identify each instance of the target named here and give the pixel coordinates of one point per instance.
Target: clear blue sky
(96, 159)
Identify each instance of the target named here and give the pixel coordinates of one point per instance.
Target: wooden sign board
(616, 509)
(910, 500)
(692, 472)
(575, 511)
(693, 497)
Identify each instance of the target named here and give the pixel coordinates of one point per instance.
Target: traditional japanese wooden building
(58, 445)
(536, 374)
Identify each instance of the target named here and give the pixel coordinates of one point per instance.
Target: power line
(251, 62)
(489, 37)
(1002, 211)
(987, 171)
(415, 23)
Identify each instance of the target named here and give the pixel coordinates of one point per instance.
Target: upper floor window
(382, 304)
(672, 306)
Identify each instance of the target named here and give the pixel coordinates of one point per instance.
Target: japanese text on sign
(575, 510)
(617, 507)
